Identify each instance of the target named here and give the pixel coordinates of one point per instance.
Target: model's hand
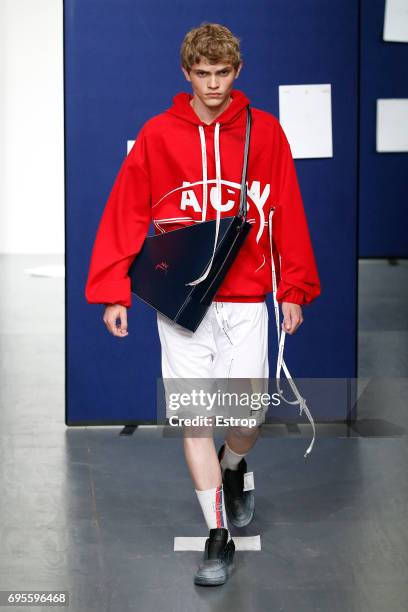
(292, 317)
(111, 314)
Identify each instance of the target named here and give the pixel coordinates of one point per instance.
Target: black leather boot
(239, 504)
(218, 560)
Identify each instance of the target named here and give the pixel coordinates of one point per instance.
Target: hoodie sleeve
(122, 230)
(299, 282)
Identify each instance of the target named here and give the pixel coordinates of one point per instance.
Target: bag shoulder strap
(243, 199)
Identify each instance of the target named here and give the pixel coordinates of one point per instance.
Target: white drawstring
(204, 164)
(281, 340)
(222, 321)
(218, 184)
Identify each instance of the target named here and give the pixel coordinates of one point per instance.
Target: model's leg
(205, 471)
(190, 356)
(240, 440)
(201, 458)
(242, 358)
(242, 354)
(238, 443)
(187, 362)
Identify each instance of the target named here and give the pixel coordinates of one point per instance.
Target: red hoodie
(171, 177)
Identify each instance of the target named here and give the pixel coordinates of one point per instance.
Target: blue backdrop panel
(383, 176)
(122, 67)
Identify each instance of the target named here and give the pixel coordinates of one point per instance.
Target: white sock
(213, 507)
(230, 459)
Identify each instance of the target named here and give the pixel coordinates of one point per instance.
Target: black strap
(243, 201)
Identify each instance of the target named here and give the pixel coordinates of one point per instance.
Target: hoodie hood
(182, 108)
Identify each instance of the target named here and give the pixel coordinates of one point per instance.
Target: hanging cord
(204, 167)
(243, 196)
(280, 361)
(218, 183)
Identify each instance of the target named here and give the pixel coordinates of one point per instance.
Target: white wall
(31, 127)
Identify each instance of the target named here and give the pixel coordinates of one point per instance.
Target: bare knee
(244, 432)
(197, 436)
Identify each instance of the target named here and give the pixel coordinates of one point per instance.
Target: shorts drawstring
(222, 322)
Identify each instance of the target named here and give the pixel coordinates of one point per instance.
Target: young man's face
(212, 83)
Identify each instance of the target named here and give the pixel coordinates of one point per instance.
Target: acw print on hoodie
(181, 171)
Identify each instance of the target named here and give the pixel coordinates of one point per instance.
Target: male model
(186, 164)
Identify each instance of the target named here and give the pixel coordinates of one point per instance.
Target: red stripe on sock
(218, 504)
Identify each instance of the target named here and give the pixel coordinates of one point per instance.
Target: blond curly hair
(212, 41)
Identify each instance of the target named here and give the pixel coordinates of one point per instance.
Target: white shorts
(230, 342)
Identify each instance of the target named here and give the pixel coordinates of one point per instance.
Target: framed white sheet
(392, 125)
(396, 21)
(306, 118)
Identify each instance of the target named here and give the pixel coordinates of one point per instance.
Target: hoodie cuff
(292, 295)
(110, 292)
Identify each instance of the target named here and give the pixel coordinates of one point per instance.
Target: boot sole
(216, 580)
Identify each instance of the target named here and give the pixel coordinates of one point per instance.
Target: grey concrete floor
(81, 509)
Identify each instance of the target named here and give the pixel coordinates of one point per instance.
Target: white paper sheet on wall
(396, 21)
(306, 118)
(130, 144)
(392, 125)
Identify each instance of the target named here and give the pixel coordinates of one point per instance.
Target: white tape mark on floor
(198, 543)
(51, 271)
